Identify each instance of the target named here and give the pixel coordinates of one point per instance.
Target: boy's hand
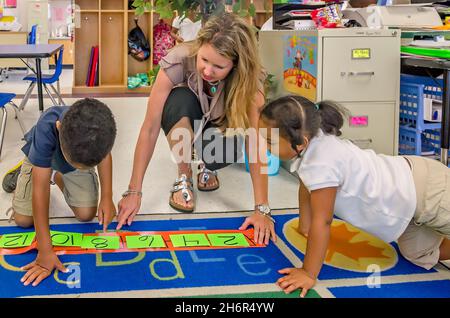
(106, 213)
(296, 278)
(128, 207)
(263, 226)
(41, 268)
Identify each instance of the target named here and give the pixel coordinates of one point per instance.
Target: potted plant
(205, 8)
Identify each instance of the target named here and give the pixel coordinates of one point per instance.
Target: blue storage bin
(420, 143)
(273, 164)
(416, 136)
(413, 90)
(415, 142)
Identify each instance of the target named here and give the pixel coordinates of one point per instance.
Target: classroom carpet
(357, 265)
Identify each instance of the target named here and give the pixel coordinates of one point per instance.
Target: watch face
(264, 209)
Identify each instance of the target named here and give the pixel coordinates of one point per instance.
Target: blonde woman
(215, 82)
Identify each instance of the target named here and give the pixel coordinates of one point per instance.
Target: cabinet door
(360, 68)
(372, 125)
(68, 51)
(112, 55)
(8, 38)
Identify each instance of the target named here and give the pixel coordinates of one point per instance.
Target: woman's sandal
(181, 184)
(203, 177)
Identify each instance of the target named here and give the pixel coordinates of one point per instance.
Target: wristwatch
(264, 209)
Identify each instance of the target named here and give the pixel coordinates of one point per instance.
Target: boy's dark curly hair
(88, 131)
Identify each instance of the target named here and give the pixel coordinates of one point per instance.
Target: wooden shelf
(106, 23)
(121, 11)
(88, 4)
(110, 89)
(134, 11)
(141, 90)
(86, 37)
(113, 5)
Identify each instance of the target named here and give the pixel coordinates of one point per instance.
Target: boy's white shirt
(187, 29)
(376, 193)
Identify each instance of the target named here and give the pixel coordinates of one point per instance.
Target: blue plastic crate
(425, 143)
(415, 142)
(413, 90)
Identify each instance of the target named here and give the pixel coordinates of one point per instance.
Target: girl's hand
(106, 212)
(296, 278)
(128, 207)
(302, 228)
(264, 228)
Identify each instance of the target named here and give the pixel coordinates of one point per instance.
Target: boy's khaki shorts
(431, 222)
(80, 189)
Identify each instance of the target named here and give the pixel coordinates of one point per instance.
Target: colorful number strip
(77, 243)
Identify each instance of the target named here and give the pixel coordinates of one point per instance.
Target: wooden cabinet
(69, 52)
(106, 24)
(7, 37)
(263, 11)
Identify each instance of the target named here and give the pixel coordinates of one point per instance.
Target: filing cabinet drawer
(360, 68)
(372, 125)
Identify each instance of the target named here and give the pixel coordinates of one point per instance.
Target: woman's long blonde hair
(234, 39)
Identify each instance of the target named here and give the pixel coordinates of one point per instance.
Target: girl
(216, 81)
(393, 197)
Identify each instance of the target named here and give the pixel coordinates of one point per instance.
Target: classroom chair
(31, 39)
(47, 80)
(6, 98)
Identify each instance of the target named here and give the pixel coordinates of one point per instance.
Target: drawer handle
(361, 73)
(361, 141)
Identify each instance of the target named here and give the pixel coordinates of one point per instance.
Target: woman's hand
(263, 226)
(128, 207)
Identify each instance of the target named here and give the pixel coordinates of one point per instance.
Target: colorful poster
(12, 4)
(300, 65)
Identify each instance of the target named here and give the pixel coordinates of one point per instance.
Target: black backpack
(138, 46)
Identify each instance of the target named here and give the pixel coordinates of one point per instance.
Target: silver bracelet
(128, 192)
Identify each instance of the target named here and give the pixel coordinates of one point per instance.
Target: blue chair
(32, 35)
(31, 39)
(6, 98)
(47, 80)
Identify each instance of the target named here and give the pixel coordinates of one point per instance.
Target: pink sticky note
(359, 120)
(59, 14)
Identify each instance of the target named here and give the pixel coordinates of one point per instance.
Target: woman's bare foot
(207, 180)
(182, 194)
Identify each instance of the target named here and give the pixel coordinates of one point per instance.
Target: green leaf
(243, 13)
(137, 3)
(148, 6)
(140, 11)
(252, 10)
(236, 7)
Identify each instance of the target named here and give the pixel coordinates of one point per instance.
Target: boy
(63, 148)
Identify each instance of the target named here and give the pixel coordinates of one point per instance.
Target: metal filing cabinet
(357, 67)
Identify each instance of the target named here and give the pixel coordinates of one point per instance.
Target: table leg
(39, 84)
(445, 128)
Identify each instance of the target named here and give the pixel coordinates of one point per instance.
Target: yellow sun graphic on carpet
(349, 247)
